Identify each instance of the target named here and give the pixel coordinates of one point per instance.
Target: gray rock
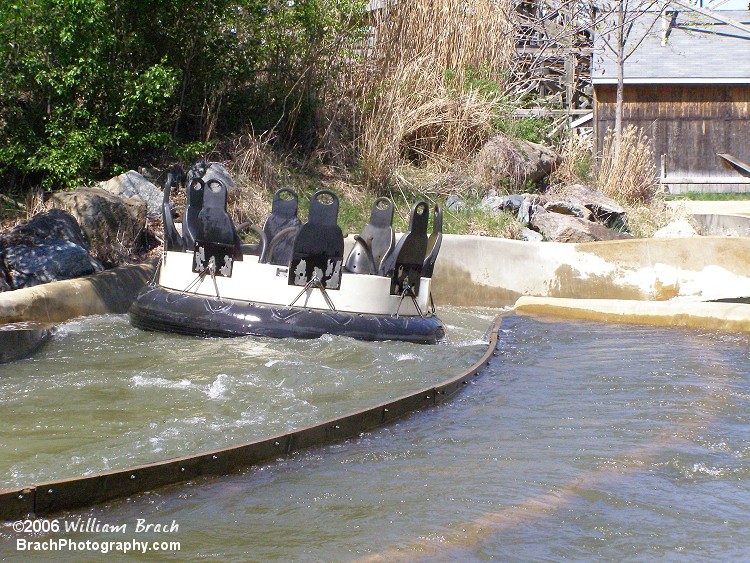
(525, 211)
(132, 184)
(112, 223)
(492, 204)
(454, 203)
(208, 171)
(49, 247)
(504, 160)
(514, 202)
(605, 209)
(52, 260)
(531, 236)
(567, 228)
(568, 208)
(53, 224)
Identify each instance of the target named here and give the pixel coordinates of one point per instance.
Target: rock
(568, 208)
(454, 203)
(567, 228)
(52, 224)
(112, 223)
(51, 260)
(492, 204)
(676, 229)
(605, 209)
(531, 236)
(210, 171)
(526, 210)
(504, 160)
(49, 247)
(514, 202)
(517, 204)
(132, 184)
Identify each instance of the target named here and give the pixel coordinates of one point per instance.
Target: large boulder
(112, 223)
(677, 229)
(208, 171)
(504, 161)
(49, 247)
(33, 264)
(604, 209)
(568, 228)
(53, 224)
(133, 185)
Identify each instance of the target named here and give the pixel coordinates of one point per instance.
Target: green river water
(581, 441)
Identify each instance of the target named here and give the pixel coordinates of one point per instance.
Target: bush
(92, 87)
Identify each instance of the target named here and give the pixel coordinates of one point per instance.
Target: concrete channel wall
(478, 271)
(496, 272)
(111, 291)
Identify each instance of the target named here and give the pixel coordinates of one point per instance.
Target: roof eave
(675, 80)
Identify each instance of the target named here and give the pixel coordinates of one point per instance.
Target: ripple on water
(581, 441)
(141, 396)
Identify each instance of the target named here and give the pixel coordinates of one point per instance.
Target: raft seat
(405, 262)
(318, 251)
(172, 239)
(217, 244)
(279, 230)
(193, 208)
(433, 243)
(375, 241)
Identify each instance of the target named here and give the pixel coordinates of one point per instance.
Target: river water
(580, 441)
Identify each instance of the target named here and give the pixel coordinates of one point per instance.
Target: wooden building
(687, 85)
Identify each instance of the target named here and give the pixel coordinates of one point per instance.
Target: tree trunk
(620, 73)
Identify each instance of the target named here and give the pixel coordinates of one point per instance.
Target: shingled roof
(698, 49)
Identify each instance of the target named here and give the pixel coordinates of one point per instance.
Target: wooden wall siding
(687, 123)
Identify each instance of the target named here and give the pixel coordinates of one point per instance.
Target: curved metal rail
(56, 496)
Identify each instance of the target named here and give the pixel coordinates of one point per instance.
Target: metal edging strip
(55, 496)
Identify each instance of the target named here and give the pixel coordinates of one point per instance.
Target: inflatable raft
(296, 282)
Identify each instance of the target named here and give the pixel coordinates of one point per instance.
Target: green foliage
(704, 196)
(91, 86)
(533, 129)
(583, 167)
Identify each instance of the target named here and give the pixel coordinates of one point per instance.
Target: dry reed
(575, 151)
(417, 106)
(258, 171)
(452, 34)
(627, 173)
(629, 176)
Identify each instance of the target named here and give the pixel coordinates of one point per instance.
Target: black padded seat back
(434, 242)
(318, 250)
(215, 234)
(281, 227)
(172, 239)
(404, 264)
(375, 241)
(193, 208)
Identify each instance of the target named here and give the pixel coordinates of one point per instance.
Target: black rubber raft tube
(49, 498)
(21, 340)
(157, 308)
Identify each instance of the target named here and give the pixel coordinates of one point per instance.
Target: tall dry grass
(415, 99)
(451, 34)
(576, 164)
(258, 171)
(629, 175)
